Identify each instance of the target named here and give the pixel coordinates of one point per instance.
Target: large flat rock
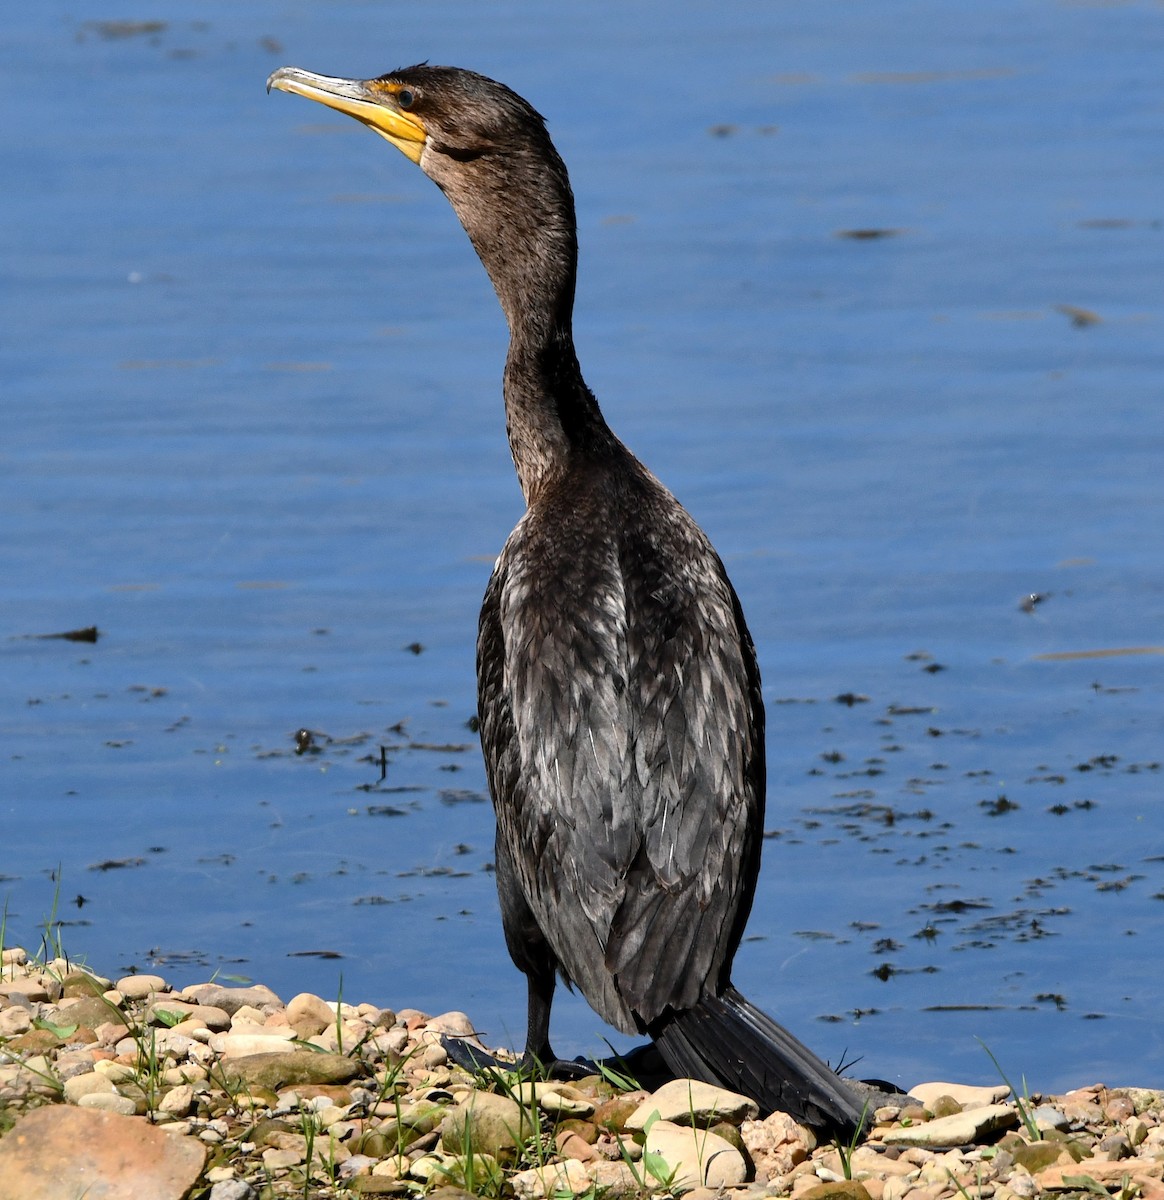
(60, 1152)
(968, 1128)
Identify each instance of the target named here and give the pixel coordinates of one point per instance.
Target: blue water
(250, 374)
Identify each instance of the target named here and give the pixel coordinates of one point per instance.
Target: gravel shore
(128, 1088)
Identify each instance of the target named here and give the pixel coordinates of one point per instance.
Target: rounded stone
(1047, 1117)
(79, 982)
(615, 1178)
(281, 1160)
(309, 1014)
(242, 1045)
(613, 1114)
(248, 1015)
(290, 1068)
(138, 987)
(74, 1062)
(569, 1178)
(15, 1021)
(390, 1041)
(488, 1124)
(115, 1072)
(969, 1127)
(232, 1189)
(178, 1101)
(229, 998)
(89, 1084)
(690, 1101)
(570, 1145)
(564, 1106)
(456, 1024)
(163, 1011)
(966, 1095)
(32, 988)
(434, 1056)
(109, 1102)
(694, 1157)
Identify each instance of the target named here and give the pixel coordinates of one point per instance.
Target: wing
(623, 735)
(698, 721)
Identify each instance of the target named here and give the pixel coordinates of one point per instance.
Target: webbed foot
(474, 1058)
(641, 1065)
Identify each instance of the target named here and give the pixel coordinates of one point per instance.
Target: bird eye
(405, 97)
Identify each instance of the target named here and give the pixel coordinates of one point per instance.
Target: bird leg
(539, 1060)
(540, 986)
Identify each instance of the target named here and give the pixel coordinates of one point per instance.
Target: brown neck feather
(518, 211)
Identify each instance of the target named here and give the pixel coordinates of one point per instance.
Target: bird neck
(529, 247)
(551, 416)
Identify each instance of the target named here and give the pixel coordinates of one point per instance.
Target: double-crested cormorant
(619, 698)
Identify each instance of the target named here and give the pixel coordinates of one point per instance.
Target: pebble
(115, 1072)
(776, 1144)
(571, 1145)
(91, 1084)
(251, 1020)
(358, 1164)
(280, 1160)
(214, 995)
(240, 1045)
(616, 1178)
(389, 1112)
(138, 987)
(162, 1010)
(110, 1102)
(14, 1021)
(74, 1062)
(688, 1101)
(32, 988)
(1057, 1177)
(1047, 1117)
(434, 1056)
(309, 1014)
(178, 1101)
(695, 1156)
(965, 1095)
(232, 1189)
(487, 1124)
(455, 1024)
(563, 1106)
(565, 1178)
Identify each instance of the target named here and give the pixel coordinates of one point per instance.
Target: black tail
(728, 1041)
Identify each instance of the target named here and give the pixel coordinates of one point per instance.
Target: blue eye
(405, 98)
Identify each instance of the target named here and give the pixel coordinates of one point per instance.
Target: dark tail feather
(728, 1041)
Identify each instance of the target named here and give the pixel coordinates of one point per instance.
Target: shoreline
(233, 1093)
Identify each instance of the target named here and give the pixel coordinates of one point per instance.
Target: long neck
(520, 217)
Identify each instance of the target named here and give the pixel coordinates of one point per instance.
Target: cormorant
(619, 698)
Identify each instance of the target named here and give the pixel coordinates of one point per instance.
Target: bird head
(428, 112)
(488, 150)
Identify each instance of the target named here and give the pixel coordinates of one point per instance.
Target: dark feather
(621, 716)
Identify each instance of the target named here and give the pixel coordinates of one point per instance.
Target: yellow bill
(371, 101)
